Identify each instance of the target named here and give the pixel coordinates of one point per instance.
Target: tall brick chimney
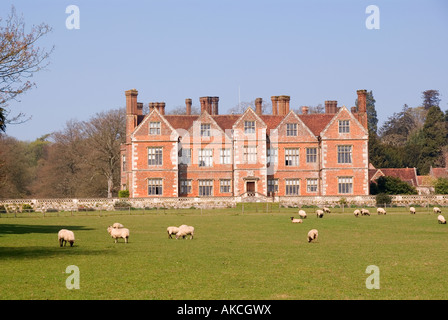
(259, 106)
(214, 105)
(331, 106)
(305, 110)
(283, 105)
(362, 107)
(131, 112)
(274, 100)
(209, 104)
(161, 107)
(188, 106)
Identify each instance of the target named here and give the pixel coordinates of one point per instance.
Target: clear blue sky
(175, 49)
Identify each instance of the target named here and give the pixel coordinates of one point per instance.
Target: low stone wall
(46, 205)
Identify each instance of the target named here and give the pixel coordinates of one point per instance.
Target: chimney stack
(283, 105)
(305, 110)
(162, 108)
(258, 106)
(331, 106)
(362, 100)
(188, 106)
(209, 104)
(274, 100)
(214, 105)
(131, 101)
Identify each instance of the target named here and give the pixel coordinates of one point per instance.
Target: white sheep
(356, 213)
(117, 225)
(312, 235)
(320, 213)
(302, 214)
(185, 230)
(326, 210)
(381, 211)
(294, 220)
(171, 231)
(441, 219)
(119, 233)
(65, 236)
(437, 210)
(412, 210)
(365, 212)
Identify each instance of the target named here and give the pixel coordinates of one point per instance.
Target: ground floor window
(345, 185)
(272, 186)
(205, 187)
(292, 187)
(155, 187)
(311, 185)
(224, 186)
(185, 186)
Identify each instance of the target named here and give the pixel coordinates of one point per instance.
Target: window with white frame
(311, 155)
(185, 186)
(345, 185)
(311, 185)
(224, 185)
(272, 156)
(291, 129)
(123, 161)
(205, 187)
(154, 128)
(155, 156)
(205, 157)
(344, 126)
(272, 185)
(155, 187)
(224, 156)
(250, 154)
(249, 127)
(292, 187)
(205, 129)
(291, 157)
(344, 154)
(185, 156)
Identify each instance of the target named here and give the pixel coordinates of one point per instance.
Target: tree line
(80, 161)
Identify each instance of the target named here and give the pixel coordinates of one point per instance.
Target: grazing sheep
(171, 231)
(437, 210)
(118, 233)
(302, 214)
(319, 213)
(117, 225)
(356, 213)
(326, 210)
(380, 211)
(312, 235)
(185, 230)
(65, 236)
(293, 220)
(365, 212)
(441, 219)
(412, 210)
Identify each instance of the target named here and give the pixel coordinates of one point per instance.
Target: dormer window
(249, 127)
(344, 126)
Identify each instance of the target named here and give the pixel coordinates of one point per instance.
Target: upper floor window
(185, 156)
(155, 156)
(249, 127)
(344, 154)
(205, 157)
(154, 128)
(224, 156)
(291, 129)
(205, 129)
(344, 126)
(272, 156)
(291, 157)
(311, 155)
(250, 154)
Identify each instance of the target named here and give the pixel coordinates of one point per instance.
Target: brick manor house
(249, 154)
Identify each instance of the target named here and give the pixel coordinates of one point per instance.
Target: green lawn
(234, 255)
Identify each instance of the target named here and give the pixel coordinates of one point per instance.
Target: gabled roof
(408, 175)
(439, 172)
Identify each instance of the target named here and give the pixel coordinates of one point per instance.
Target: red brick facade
(285, 154)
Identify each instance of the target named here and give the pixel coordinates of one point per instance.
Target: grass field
(234, 255)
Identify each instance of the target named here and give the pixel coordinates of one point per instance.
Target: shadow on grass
(25, 229)
(45, 252)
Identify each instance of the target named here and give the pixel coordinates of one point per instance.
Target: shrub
(27, 207)
(383, 199)
(123, 194)
(441, 186)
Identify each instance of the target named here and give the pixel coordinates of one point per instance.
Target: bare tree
(19, 60)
